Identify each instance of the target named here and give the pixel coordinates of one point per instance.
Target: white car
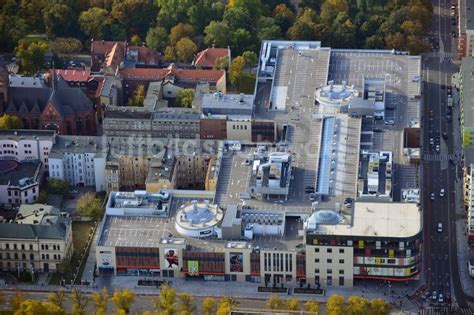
(390, 122)
(432, 196)
(440, 298)
(440, 227)
(441, 193)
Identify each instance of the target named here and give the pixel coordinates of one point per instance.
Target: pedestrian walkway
(89, 267)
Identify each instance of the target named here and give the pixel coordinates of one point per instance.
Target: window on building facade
(341, 261)
(341, 250)
(329, 261)
(329, 250)
(341, 281)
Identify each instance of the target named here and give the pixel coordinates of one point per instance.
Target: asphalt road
(441, 263)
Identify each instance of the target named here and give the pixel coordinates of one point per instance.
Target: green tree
(31, 55)
(336, 305)
(304, 27)
(123, 300)
(311, 306)
(10, 122)
(186, 306)
(90, 206)
(374, 42)
(59, 19)
(242, 40)
(58, 298)
(31, 12)
(250, 58)
(267, 29)
(172, 12)
(58, 186)
(283, 16)
(225, 306)
(185, 98)
(274, 302)
(293, 304)
(222, 63)
(156, 38)
(65, 266)
(170, 54)
(379, 307)
(138, 97)
(135, 40)
(202, 12)
(79, 302)
(99, 299)
(357, 305)
(181, 31)
(208, 306)
(135, 16)
(92, 22)
(42, 197)
(185, 49)
(218, 34)
(236, 70)
(65, 47)
(35, 307)
(166, 301)
(16, 299)
(237, 17)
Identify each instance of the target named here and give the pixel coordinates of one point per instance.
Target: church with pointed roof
(62, 108)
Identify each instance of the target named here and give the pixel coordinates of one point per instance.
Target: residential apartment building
(38, 240)
(176, 123)
(466, 80)
(131, 78)
(27, 145)
(79, 160)
(207, 58)
(127, 121)
(19, 182)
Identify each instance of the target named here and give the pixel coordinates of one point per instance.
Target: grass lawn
(247, 84)
(80, 234)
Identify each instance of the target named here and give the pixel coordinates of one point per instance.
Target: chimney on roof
(241, 97)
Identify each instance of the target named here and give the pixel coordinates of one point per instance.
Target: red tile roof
(72, 75)
(147, 55)
(208, 57)
(191, 75)
(101, 81)
(102, 47)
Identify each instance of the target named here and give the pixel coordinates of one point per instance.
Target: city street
(439, 168)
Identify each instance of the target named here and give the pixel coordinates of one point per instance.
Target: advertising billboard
(193, 267)
(171, 258)
(236, 262)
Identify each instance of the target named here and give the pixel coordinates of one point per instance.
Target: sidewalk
(395, 294)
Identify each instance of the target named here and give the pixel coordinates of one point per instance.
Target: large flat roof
(25, 134)
(377, 219)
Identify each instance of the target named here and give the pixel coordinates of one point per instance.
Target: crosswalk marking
(438, 157)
